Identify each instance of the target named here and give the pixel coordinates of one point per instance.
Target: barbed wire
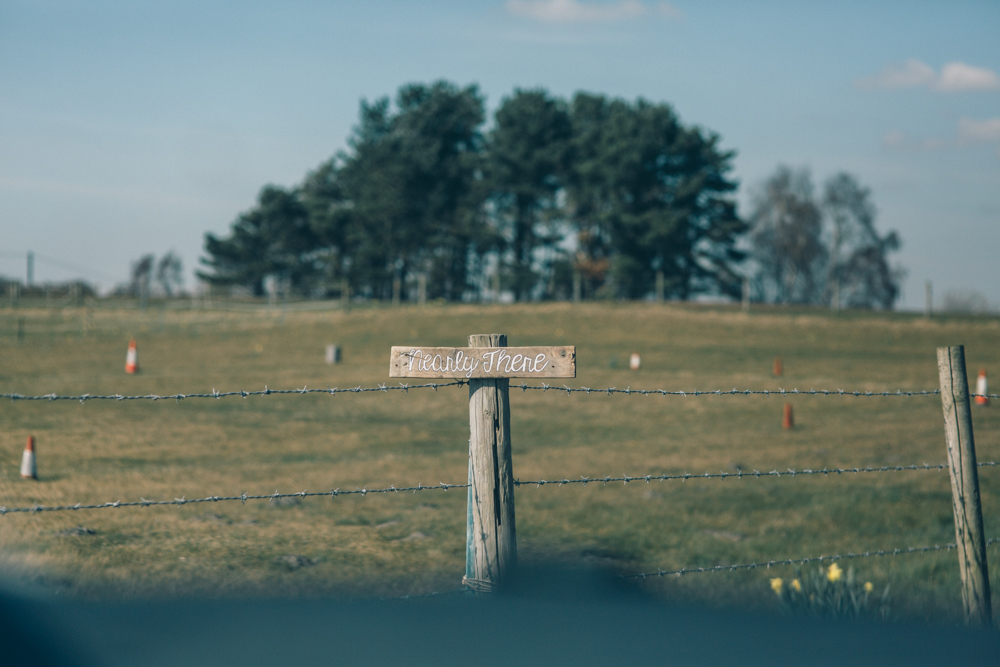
(740, 474)
(243, 498)
(628, 391)
(609, 391)
(83, 398)
(441, 486)
(798, 561)
(404, 388)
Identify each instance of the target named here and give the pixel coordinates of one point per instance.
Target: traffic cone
(787, 421)
(132, 358)
(982, 388)
(28, 469)
(634, 361)
(778, 370)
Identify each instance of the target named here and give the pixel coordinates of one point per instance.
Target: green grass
(105, 451)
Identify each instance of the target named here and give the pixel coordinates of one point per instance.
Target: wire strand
(797, 561)
(538, 483)
(404, 388)
(740, 474)
(83, 398)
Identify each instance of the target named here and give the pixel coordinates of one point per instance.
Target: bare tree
(858, 272)
(787, 239)
(169, 273)
(142, 271)
(820, 253)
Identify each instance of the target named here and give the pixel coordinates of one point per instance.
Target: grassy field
(414, 543)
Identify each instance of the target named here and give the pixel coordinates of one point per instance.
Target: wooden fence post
(491, 542)
(345, 295)
(969, 539)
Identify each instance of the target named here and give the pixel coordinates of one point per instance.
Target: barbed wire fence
(564, 482)
(403, 388)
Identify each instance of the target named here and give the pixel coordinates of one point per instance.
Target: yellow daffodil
(869, 587)
(796, 585)
(834, 572)
(776, 585)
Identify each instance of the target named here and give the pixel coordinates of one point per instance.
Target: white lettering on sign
(423, 363)
(483, 362)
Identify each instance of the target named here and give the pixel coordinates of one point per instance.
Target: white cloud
(979, 131)
(958, 77)
(954, 77)
(901, 75)
(574, 11)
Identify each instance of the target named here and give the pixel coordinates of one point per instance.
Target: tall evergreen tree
(274, 238)
(657, 195)
(331, 221)
(414, 193)
(528, 152)
(589, 197)
(411, 180)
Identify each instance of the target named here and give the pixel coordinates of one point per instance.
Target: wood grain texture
(969, 537)
(491, 541)
(413, 361)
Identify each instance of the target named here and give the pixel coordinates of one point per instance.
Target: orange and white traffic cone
(787, 421)
(982, 388)
(132, 358)
(28, 468)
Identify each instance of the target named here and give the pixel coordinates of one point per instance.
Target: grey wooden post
(345, 295)
(969, 538)
(491, 541)
(422, 288)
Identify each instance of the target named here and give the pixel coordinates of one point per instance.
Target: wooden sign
(483, 362)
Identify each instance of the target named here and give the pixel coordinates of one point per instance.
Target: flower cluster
(830, 592)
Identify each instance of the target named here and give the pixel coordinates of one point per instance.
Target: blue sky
(128, 128)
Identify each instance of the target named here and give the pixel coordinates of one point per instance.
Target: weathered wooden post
(397, 291)
(487, 364)
(969, 538)
(422, 289)
(345, 295)
(491, 536)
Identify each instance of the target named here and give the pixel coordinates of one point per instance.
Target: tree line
(592, 197)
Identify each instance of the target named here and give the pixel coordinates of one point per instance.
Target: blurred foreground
(547, 617)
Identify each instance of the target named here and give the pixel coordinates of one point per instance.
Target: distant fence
(962, 466)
